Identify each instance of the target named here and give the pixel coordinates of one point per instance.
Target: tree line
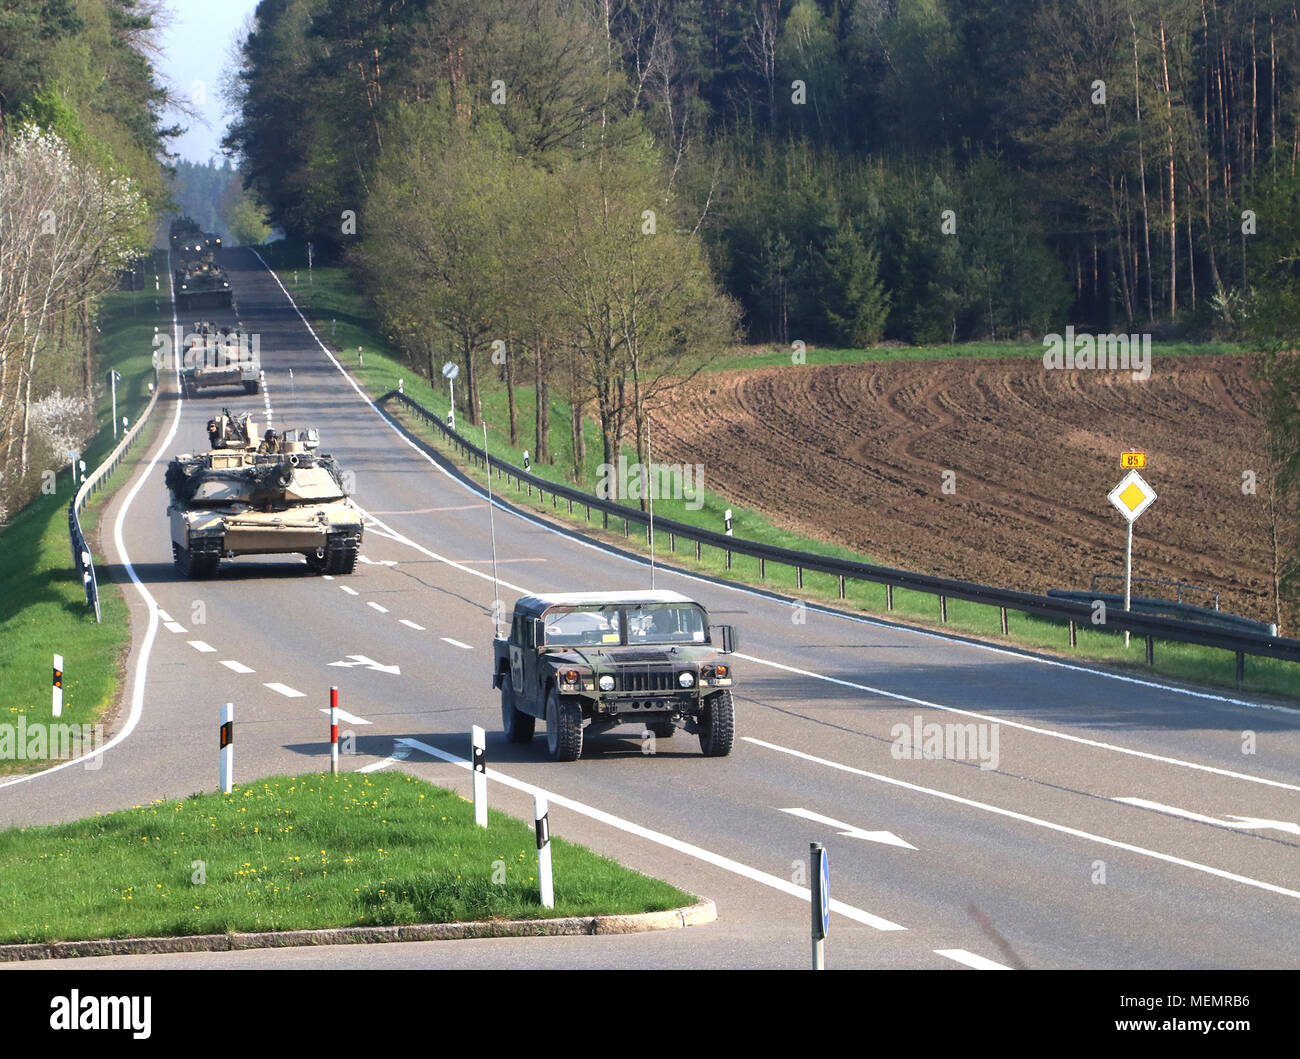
(81, 137)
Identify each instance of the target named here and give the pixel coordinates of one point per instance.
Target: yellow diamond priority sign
(1132, 496)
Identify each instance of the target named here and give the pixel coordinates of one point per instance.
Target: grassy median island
(298, 852)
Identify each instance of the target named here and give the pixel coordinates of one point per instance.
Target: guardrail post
(627, 532)
(728, 558)
(672, 542)
(604, 519)
(1074, 634)
(697, 551)
(889, 597)
(841, 586)
(1151, 648)
(798, 574)
(943, 609)
(762, 568)
(1004, 620)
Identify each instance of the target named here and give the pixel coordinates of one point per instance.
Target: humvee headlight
(607, 683)
(686, 680)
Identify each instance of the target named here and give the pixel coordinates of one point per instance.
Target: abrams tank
(245, 498)
(220, 356)
(201, 285)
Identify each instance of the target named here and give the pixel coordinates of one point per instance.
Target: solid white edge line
(1096, 743)
(970, 959)
(745, 590)
(1063, 829)
(716, 859)
(151, 632)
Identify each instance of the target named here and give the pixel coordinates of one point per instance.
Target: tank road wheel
(563, 728)
(196, 566)
(662, 729)
(717, 725)
(518, 726)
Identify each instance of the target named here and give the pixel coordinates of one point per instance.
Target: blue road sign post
(821, 903)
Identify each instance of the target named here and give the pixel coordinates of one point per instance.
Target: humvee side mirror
(725, 633)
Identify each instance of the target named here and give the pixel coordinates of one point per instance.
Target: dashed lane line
(174, 626)
(376, 606)
(457, 643)
(201, 646)
(347, 718)
(980, 963)
(237, 667)
(286, 691)
(349, 591)
(412, 625)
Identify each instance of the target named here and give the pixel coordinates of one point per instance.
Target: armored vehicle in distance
(220, 356)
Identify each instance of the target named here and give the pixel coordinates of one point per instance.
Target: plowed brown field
(856, 454)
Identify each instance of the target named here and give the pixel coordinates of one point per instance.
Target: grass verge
(43, 607)
(298, 852)
(345, 322)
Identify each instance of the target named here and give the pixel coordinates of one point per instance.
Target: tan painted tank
(246, 498)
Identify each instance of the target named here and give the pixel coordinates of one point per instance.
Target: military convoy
(220, 356)
(203, 285)
(249, 498)
(599, 659)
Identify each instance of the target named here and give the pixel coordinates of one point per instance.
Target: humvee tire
(563, 728)
(519, 727)
(717, 725)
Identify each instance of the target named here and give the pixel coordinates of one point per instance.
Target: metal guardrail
(1171, 608)
(1179, 586)
(1072, 612)
(92, 483)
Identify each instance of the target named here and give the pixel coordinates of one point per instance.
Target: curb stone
(676, 918)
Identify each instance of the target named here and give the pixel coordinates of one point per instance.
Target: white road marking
(139, 679)
(708, 856)
(349, 591)
(849, 831)
(377, 562)
(1035, 821)
(1023, 727)
(163, 616)
(368, 663)
(574, 537)
(457, 643)
(238, 667)
(174, 626)
(1244, 823)
(286, 691)
(372, 603)
(980, 963)
(411, 625)
(401, 753)
(346, 717)
(431, 510)
(328, 577)
(199, 645)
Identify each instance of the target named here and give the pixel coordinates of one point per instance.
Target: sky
(196, 50)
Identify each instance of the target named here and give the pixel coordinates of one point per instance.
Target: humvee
(598, 659)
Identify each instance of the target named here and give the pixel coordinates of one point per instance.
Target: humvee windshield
(651, 623)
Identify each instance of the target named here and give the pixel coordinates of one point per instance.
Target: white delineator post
(334, 731)
(58, 686)
(227, 769)
(542, 822)
(478, 741)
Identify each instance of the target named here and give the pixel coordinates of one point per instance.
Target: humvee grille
(643, 680)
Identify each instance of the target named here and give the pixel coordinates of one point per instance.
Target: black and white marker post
(227, 769)
(58, 686)
(727, 519)
(478, 741)
(334, 730)
(542, 822)
(821, 903)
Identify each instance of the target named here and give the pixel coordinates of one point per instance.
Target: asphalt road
(1024, 855)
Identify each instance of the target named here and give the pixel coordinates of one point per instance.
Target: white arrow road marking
(709, 857)
(372, 603)
(377, 562)
(349, 591)
(286, 691)
(369, 663)
(199, 645)
(411, 625)
(1249, 823)
(346, 717)
(1035, 821)
(400, 753)
(849, 831)
(980, 963)
(457, 643)
(238, 667)
(173, 626)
